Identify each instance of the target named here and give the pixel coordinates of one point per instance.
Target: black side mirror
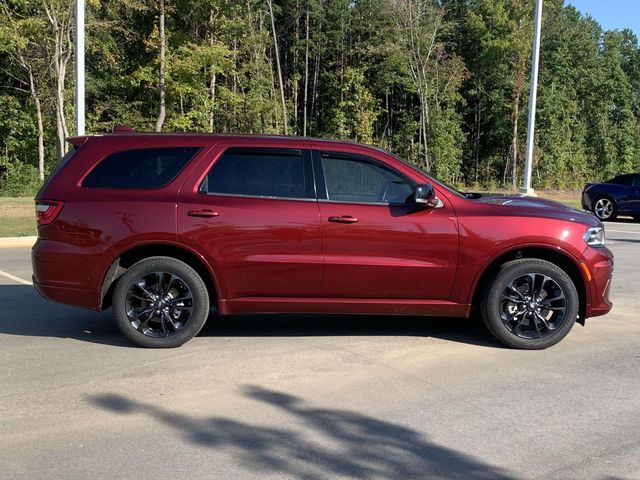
(425, 196)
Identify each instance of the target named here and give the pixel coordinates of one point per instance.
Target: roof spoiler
(123, 129)
(78, 141)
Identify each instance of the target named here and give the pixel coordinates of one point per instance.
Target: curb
(17, 242)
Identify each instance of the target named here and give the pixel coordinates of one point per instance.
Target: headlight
(594, 236)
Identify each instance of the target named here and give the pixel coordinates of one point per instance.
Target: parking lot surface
(317, 396)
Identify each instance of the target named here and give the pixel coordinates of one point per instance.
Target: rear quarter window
(140, 168)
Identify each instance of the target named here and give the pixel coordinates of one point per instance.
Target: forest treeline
(443, 84)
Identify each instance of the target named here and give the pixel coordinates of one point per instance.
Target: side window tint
(140, 168)
(625, 180)
(636, 180)
(280, 173)
(358, 180)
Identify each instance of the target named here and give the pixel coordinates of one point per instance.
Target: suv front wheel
(160, 302)
(530, 304)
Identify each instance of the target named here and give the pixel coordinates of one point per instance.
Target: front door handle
(203, 213)
(343, 219)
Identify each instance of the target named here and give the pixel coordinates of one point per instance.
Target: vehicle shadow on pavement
(27, 314)
(327, 443)
(461, 330)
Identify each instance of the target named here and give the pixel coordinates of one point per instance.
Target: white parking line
(622, 231)
(15, 279)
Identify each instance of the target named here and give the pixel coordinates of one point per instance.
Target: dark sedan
(618, 196)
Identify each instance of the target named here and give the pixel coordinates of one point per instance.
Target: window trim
(306, 165)
(321, 186)
(199, 149)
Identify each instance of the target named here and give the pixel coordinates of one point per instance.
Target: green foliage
(18, 179)
(443, 84)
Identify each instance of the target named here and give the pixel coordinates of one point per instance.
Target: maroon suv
(162, 227)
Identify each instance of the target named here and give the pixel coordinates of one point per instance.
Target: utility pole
(533, 92)
(80, 67)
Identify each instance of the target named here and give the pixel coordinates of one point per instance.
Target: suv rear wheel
(530, 304)
(160, 302)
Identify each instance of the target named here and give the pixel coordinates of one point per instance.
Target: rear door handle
(203, 213)
(343, 219)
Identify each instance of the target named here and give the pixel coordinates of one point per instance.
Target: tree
(277, 55)
(20, 37)
(162, 40)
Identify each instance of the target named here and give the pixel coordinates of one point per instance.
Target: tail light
(47, 211)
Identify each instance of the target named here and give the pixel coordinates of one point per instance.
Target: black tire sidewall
(170, 265)
(505, 275)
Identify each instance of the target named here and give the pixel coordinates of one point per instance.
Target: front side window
(140, 168)
(264, 172)
(359, 180)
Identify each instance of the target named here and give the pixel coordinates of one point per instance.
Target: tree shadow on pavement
(325, 443)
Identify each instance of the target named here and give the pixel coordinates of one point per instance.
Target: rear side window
(625, 180)
(140, 168)
(58, 167)
(265, 172)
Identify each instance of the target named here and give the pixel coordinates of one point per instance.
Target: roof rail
(122, 129)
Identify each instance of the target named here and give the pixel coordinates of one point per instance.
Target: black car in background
(618, 196)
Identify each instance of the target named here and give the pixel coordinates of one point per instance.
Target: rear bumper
(67, 295)
(63, 276)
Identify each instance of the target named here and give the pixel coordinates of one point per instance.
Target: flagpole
(533, 92)
(80, 93)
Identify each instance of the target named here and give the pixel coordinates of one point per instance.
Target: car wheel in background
(530, 304)
(160, 302)
(605, 208)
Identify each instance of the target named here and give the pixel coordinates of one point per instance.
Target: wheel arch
(133, 254)
(553, 255)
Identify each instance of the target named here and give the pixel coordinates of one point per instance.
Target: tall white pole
(533, 92)
(80, 67)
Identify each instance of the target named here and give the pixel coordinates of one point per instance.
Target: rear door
(253, 213)
(376, 243)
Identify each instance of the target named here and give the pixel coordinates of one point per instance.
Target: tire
(530, 325)
(605, 208)
(160, 302)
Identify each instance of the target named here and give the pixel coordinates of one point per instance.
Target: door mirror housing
(425, 196)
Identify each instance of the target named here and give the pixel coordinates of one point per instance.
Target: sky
(612, 14)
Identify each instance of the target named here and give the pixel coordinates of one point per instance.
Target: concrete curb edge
(17, 242)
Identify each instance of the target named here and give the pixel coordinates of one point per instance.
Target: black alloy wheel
(160, 302)
(530, 304)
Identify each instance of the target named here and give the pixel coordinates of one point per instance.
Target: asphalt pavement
(315, 397)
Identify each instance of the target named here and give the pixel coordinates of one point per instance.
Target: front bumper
(598, 264)
(586, 201)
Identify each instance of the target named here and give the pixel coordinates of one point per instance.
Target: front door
(375, 242)
(255, 216)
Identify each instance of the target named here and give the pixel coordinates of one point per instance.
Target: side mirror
(424, 195)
